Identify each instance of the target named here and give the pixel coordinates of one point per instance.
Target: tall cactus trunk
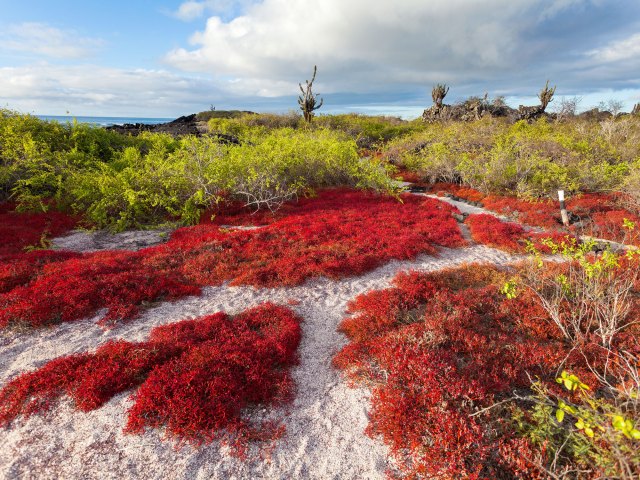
(307, 100)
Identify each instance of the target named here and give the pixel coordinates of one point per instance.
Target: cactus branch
(546, 95)
(308, 99)
(438, 92)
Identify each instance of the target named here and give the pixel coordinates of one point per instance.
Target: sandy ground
(324, 425)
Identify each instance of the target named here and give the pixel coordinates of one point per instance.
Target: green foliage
(120, 182)
(631, 185)
(369, 131)
(135, 189)
(593, 297)
(36, 157)
(590, 432)
(531, 159)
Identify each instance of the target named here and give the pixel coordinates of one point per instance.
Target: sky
(162, 58)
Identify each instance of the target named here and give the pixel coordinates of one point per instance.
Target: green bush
(36, 157)
(529, 159)
(369, 131)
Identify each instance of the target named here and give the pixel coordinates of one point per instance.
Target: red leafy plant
(337, 234)
(601, 214)
(509, 236)
(21, 230)
(435, 349)
(194, 377)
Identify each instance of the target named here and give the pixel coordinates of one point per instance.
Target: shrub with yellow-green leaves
(118, 182)
(529, 159)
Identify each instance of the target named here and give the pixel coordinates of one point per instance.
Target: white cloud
(44, 40)
(95, 90)
(192, 9)
(363, 46)
(618, 50)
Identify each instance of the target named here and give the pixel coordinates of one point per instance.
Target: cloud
(371, 55)
(624, 49)
(192, 9)
(378, 46)
(43, 40)
(96, 90)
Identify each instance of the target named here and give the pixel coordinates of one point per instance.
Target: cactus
(438, 92)
(545, 95)
(307, 100)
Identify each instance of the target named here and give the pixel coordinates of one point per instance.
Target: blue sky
(168, 58)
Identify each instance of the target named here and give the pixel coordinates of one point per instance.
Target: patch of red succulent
(435, 349)
(194, 377)
(21, 230)
(601, 214)
(337, 234)
(512, 237)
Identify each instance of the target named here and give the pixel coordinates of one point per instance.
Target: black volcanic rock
(186, 125)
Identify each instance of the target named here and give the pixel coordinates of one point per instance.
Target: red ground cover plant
(20, 230)
(438, 347)
(337, 234)
(19, 268)
(193, 377)
(466, 193)
(408, 176)
(610, 225)
(509, 236)
(601, 214)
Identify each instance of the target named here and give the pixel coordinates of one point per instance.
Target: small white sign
(561, 195)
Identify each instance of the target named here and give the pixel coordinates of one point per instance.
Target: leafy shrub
(339, 233)
(593, 302)
(120, 182)
(529, 159)
(582, 431)
(193, 377)
(138, 190)
(369, 131)
(632, 186)
(36, 156)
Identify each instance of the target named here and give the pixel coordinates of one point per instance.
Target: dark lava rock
(186, 125)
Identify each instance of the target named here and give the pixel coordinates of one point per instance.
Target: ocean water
(104, 121)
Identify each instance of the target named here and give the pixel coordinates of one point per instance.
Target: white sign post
(563, 209)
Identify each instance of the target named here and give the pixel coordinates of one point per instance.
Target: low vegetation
(120, 181)
(337, 234)
(478, 372)
(529, 160)
(193, 377)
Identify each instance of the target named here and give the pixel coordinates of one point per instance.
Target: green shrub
(180, 179)
(529, 159)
